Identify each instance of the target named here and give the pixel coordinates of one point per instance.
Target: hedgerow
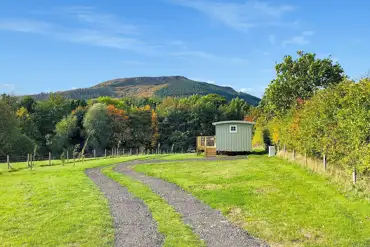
(335, 122)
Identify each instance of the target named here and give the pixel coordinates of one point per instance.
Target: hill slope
(177, 86)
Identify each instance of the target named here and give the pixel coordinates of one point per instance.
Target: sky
(62, 44)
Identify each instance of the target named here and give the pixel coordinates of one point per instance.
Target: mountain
(177, 86)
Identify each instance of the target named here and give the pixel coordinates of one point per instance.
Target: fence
(16, 162)
(348, 180)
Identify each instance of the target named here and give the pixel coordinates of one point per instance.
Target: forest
(59, 124)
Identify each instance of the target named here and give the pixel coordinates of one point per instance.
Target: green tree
(8, 128)
(64, 132)
(141, 127)
(97, 126)
(47, 114)
(236, 110)
(29, 103)
(299, 79)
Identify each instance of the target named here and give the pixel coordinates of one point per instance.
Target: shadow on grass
(259, 152)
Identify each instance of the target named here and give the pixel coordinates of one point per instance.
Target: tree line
(312, 107)
(59, 124)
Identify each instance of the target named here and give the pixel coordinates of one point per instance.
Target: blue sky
(57, 45)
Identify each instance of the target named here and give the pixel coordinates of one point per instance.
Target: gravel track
(132, 220)
(208, 223)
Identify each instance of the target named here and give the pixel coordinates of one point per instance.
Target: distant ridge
(162, 86)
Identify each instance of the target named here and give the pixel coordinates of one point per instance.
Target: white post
(130, 151)
(293, 154)
(105, 153)
(324, 161)
(8, 161)
(49, 158)
(28, 160)
(205, 146)
(31, 164)
(354, 176)
(112, 152)
(123, 152)
(67, 156)
(94, 153)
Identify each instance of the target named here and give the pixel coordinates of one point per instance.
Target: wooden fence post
(305, 157)
(49, 158)
(324, 162)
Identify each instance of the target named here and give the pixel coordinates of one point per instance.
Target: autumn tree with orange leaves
(119, 122)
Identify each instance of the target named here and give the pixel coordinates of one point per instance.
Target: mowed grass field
(277, 201)
(56, 205)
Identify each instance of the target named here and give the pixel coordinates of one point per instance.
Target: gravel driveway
(208, 223)
(132, 220)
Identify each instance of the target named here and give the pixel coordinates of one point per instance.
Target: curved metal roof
(233, 122)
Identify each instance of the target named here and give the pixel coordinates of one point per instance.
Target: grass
(55, 206)
(169, 221)
(275, 200)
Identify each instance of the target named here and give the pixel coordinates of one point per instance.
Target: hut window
(233, 129)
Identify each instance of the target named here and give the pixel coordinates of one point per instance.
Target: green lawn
(55, 206)
(275, 200)
(169, 221)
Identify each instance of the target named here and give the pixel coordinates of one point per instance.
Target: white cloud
(296, 40)
(7, 88)
(246, 90)
(104, 21)
(240, 16)
(178, 43)
(202, 80)
(308, 33)
(184, 51)
(23, 25)
(90, 27)
(299, 39)
(258, 91)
